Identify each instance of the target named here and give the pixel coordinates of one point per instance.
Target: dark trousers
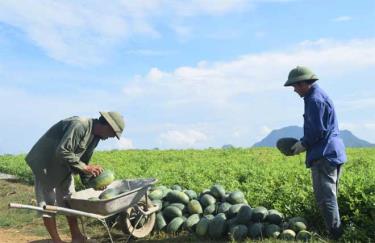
(325, 178)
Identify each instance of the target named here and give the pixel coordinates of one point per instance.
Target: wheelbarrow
(134, 211)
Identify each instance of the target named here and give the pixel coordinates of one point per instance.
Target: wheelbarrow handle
(16, 205)
(72, 212)
(25, 206)
(51, 208)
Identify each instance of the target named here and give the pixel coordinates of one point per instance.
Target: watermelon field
(263, 175)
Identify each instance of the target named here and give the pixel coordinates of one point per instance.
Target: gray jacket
(65, 148)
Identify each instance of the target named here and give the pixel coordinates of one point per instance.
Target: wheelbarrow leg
(135, 226)
(107, 228)
(81, 219)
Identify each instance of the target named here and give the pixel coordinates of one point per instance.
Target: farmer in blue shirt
(325, 151)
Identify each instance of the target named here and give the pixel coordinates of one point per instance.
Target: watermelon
(233, 210)
(231, 223)
(244, 214)
(274, 217)
(288, 234)
(272, 231)
(298, 226)
(205, 191)
(101, 181)
(303, 235)
(166, 191)
(171, 212)
(165, 203)
(156, 194)
(209, 216)
(224, 207)
(109, 193)
(194, 207)
(177, 197)
(201, 228)
(175, 224)
(206, 200)
(218, 191)
(217, 226)
(259, 214)
(210, 209)
(238, 232)
(93, 199)
(191, 222)
(160, 187)
(181, 206)
(191, 194)
(297, 219)
(176, 187)
(256, 230)
(284, 225)
(285, 145)
(160, 221)
(236, 197)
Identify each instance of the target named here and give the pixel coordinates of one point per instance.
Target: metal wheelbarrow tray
(136, 190)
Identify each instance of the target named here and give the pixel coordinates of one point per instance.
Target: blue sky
(185, 74)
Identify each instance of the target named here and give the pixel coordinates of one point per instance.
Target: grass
(265, 176)
(25, 220)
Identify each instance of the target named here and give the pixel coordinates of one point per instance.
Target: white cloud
(219, 82)
(212, 7)
(184, 32)
(148, 52)
(125, 143)
(342, 19)
(80, 32)
(241, 95)
(84, 33)
(156, 75)
(114, 143)
(365, 103)
(182, 139)
(264, 131)
(72, 32)
(30, 115)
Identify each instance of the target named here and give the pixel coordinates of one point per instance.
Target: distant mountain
(227, 146)
(350, 140)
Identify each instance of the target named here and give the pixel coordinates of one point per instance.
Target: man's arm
(317, 115)
(67, 147)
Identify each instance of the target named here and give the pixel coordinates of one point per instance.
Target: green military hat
(299, 74)
(115, 120)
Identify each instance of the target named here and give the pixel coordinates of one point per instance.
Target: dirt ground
(12, 236)
(12, 191)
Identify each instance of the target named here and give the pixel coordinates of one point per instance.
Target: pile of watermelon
(217, 214)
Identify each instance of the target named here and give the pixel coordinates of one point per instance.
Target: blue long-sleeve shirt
(321, 133)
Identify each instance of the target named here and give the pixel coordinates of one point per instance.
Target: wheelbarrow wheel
(136, 224)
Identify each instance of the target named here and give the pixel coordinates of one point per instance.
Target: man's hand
(298, 148)
(93, 170)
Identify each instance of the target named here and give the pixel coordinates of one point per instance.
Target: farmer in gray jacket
(66, 148)
(325, 151)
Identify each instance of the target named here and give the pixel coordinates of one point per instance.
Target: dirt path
(11, 230)
(13, 236)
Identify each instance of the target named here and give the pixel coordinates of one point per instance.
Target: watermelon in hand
(285, 145)
(101, 181)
